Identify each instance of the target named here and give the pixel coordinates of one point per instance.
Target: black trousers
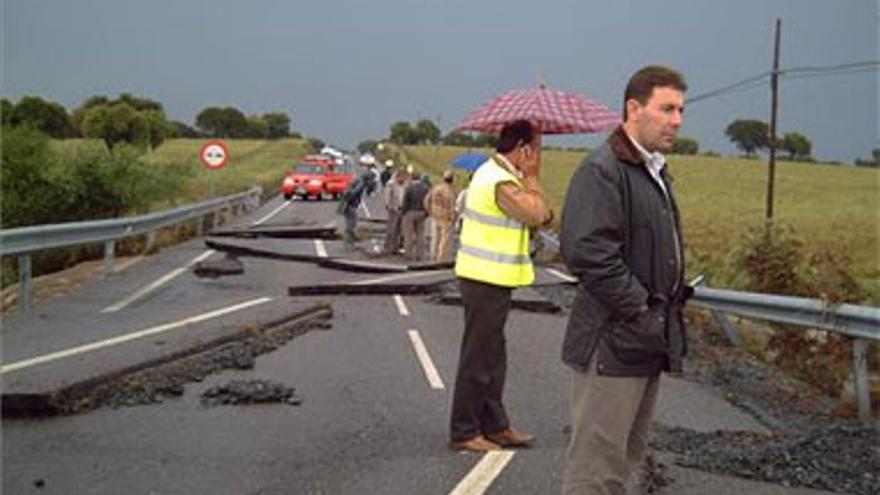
(477, 406)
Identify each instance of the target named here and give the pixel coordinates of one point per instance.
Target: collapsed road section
(153, 379)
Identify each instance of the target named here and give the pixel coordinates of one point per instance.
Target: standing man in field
(621, 239)
(504, 200)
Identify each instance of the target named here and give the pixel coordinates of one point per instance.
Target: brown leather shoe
(511, 438)
(476, 444)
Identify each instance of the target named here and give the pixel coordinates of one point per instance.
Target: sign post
(214, 155)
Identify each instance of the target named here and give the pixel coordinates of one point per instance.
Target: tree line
(141, 122)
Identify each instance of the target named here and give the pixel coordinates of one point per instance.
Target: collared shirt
(525, 204)
(654, 162)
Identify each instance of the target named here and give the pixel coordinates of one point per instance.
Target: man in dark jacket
(414, 215)
(621, 238)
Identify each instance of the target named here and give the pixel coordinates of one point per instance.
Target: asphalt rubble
(809, 446)
(168, 380)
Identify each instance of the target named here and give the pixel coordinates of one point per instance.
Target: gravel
(843, 457)
(238, 392)
(154, 384)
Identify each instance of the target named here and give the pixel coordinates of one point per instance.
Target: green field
(828, 206)
(251, 162)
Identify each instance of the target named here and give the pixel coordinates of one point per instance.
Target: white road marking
(563, 276)
(425, 358)
(156, 284)
(320, 249)
(73, 351)
(366, 210)
(270, 215)
(398, 276)
(484, 473)
(401, 306)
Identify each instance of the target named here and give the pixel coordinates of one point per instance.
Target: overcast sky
(344, 70)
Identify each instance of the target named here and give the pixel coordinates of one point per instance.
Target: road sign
(214, 154)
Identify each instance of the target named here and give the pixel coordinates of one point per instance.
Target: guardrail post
(25, 285)
(109, 253)
(860, 378)
(726, 326)
(151, 242)
(200, 225)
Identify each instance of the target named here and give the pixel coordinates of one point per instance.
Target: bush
(42, 187)
(774, 263)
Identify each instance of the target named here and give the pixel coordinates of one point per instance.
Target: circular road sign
(214, 154)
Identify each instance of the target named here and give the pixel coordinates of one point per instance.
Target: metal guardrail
(24, 240)
(862, 323)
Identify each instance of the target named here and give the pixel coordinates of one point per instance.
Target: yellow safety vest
(494, 248)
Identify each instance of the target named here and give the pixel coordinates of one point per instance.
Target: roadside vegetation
(54, 181)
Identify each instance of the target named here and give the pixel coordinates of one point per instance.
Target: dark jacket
(618, 238)
(414, 196)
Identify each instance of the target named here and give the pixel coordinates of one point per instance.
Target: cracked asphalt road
(370, 422)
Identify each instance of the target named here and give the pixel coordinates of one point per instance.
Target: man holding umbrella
(504, 201)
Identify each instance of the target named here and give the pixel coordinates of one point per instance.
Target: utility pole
(774, 86)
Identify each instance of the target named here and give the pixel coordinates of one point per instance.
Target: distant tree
(748, 135)
(796, 145)
(47, 117)
(316, 144)
(403, 133)
(367, 146)
(257, 128)
(278, 125)
(182, 130)
(79, 113)
(6, 108)
(457, 139)
(873, 162)
(486, 140)
(226, 122)
(685, 146)
(140, 104)
(158, 127)
(120, 122)
(427, 132)
(115, 124)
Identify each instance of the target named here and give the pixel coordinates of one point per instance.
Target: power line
(731, 87)
(792, 73)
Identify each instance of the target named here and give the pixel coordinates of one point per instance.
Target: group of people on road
(410, 201)
(621, 239)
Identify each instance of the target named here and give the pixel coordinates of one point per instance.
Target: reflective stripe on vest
(494, 247)
(513, 259)
(505, 222)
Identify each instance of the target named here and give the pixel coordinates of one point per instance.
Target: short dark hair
(516, 133)
(641, 85)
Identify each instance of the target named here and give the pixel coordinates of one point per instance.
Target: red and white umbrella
(552, 111)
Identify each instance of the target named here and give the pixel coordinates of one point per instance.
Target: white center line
(563, 276)
(270, 215)
(156, 284)
(398, 276)
(401, 306)
(320, 249)
(73, 351)
(484, 473)
(425, 358)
